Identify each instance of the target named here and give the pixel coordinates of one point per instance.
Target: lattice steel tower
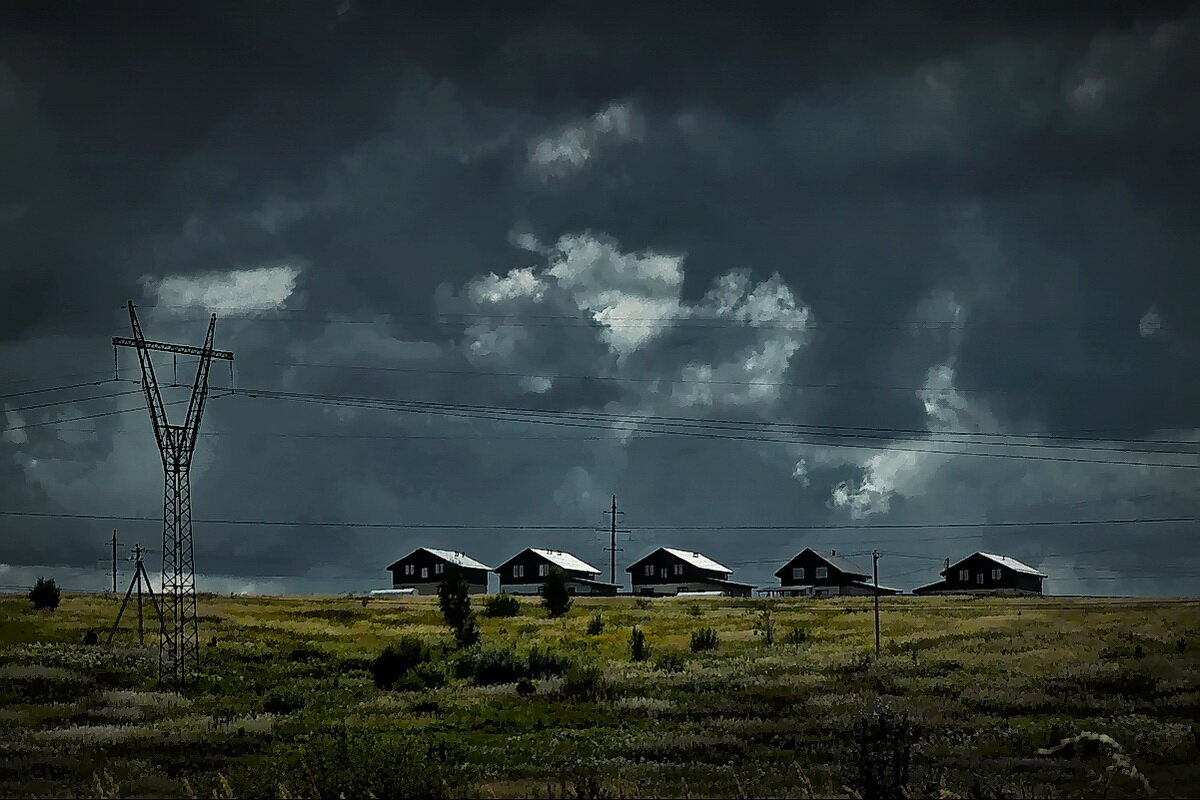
(179, 644)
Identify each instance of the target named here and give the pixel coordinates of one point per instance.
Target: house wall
(663, 565)
(977, 566)
(573, 587)
(810, 561)
(667, 589)
(421, 560)
(531, 562)
(432, 588)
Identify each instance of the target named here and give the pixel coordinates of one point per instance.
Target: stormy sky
(847, 266)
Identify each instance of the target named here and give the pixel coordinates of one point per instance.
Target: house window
(797, 573)
(822, 572)
(543, 570)
(679, 569)
(964, 575)
(424, 572)
(649, 570)
(996, 574)
(409, 569)
(439, 568)
(664, 572)
(518, 570)
(979, 578)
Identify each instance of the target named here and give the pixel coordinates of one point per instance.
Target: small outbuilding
(668, 571)
(527, 571)
(986, 573)
(425, 568)
(814, 574)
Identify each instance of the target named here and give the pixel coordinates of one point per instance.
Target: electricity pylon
(179, 644)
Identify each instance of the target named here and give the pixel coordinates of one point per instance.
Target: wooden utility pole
(139, 575)
(875, 578)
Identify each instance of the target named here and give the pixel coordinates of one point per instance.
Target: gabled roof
(456, 558)
(1004, 561)
(695, 559)
(560, 559)
(837, 562)
(450, 556)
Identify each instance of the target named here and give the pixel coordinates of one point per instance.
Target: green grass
(984, 682)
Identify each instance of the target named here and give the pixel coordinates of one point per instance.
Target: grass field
(965, 694)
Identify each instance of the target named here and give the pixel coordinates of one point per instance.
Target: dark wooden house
(526, 573)
(667, 571)
(986, 573)
(813, 574)
(424, 568)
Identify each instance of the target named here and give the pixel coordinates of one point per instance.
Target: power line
(592, 528)
(73, 400)
(52, 389)
(687, 427)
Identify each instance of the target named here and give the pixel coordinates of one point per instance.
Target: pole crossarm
(183, 349)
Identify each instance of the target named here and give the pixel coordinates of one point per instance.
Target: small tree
(595, 625)
(639, 648)
(765, 626)
(704, 639)
(454, 596)
(45, 594)
(556, 598)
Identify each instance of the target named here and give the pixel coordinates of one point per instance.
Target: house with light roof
(425, 568)
(669, 571)
(814, 574)
(986, 573)
(527, 571)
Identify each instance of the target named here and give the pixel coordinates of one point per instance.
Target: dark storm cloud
(378, 172)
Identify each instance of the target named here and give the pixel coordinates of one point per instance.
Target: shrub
(547, 664)
(45, 594)
(595, 626)
(396, 660)
(489, 667)
(704, 639)
(670, 662)
(454, 597)
(587, 683)
(556, 597)
(90, 638)
(639, 648)
(283, 700)
(348, 763)
(881, 763)
(796, 636)
(501, 605)
(695, 610)
(642, 602)
(525, 687)
(420, 678)
(766, 626)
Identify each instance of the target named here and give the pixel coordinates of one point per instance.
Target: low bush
(349, 763)
(45, 594)
(639, 648)
(283, 700)
(704, 639)
(525, 687)
(587, 683)
(488, 667)
(670, 662)
(881, 763)
(547, 664)
(595, 626)
(796, 636)
(501, 605)
(642, 602)
(496, 666)
(397, 660)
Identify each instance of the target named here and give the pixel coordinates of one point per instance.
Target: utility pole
(179, 644)
(875, 577)
(114, 561)
(612, 542)
(139, 575)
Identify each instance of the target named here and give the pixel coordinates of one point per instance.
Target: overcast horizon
(847, 272)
